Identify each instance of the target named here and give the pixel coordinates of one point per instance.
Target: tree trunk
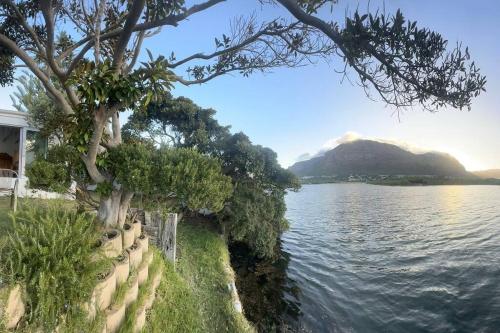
(113, 209)
(124, 206)
(109, 209)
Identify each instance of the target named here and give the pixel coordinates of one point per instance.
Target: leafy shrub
(255, 217)
(179, 177)
(195, 180)
(131, 165)
(51, 250)
(48, 176)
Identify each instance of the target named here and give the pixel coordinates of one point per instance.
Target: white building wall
(20, 120)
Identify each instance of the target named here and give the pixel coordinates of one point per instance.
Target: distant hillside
(493, 173)
(365, 157)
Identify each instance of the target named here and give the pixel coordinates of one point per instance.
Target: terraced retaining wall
(133, 259)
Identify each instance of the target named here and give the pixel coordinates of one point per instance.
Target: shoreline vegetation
(195, 297)
(399, 180)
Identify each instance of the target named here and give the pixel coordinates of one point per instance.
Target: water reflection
(270, 298)
(381, 259)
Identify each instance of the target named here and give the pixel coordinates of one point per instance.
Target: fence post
(168, 237)
(162, 232)
(13, 197)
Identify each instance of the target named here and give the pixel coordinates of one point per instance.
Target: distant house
(19, 144)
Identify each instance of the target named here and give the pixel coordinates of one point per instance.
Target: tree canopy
(254, 213)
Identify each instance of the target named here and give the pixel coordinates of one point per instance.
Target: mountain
(485, 174)
(366, 157)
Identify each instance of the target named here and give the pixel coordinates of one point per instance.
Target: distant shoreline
(402, 181)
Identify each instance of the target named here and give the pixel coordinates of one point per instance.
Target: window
(36, 145)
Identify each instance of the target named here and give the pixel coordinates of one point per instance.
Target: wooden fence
(162, 230)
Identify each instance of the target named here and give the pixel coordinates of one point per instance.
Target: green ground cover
(4, 212)
(195, 297)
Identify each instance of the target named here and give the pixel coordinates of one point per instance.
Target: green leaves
(131, 165)
(102, 85)
(194, 180)
(158, 9)
(312, 6)
(52, 177)
(255, 216)
(6, 67)
(406, 64)
(50, 250)
(182, 178)
(155, 79)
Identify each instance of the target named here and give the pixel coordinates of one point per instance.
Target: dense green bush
(131, 164)
(171, 176)
(194, 179)
(48, 176)
(256, 217)
(56, 170)
(51, 250)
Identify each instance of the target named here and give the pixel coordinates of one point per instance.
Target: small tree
(92, 74)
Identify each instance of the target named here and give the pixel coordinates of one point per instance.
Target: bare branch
(125, 34)
(172, 20)
(137, 51)
(97, 29)
(48, 14)
(233, 48)
(251, 46)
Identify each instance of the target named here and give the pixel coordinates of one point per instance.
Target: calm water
(364, 258)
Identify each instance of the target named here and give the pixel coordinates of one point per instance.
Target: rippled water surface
(367, 258)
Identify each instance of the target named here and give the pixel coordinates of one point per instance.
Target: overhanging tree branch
(32, 65)
(409, 64)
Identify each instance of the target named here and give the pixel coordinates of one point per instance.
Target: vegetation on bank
(425, 181)
(195, 297)
(254, 212)
(49, 246)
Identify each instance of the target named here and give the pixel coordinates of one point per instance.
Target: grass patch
(5, 211)
(195, 298)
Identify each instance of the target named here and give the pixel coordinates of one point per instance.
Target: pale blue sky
(296, 111)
